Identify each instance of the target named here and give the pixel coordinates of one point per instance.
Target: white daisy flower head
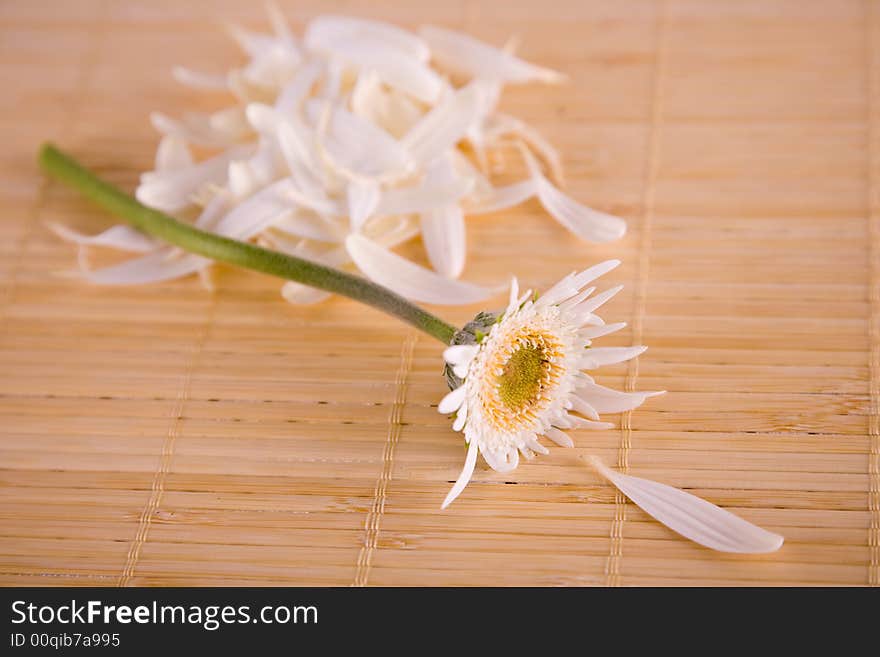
(520, 374)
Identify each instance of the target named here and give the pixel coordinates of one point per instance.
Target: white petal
(302, 295)
(152, 268)
(584, 222)
(171, 191)
(443, 235)
(559, 437)
(597, 301)
(301, 161)
(124, 238)
(273, 68)
(513, 300)
(356, 146)
(581, 423)
(279, 23)
(606, 400)
(329, 30)
(533, 444)
(599, 356)
(198, 80)
(443, 232)
(297, 293)
(466, 473)
(231, 122)
(252, 43)
(444, 126)
(460, 353)
(363, 197)
(584, 408)
(598, 331)
(692, 517)
(573, 283)
(423, 198)
(464, 54)
(407, 278)
(242, 223)
(239, 179)
(482, 188)
(257, 213)
(214, 211)
(502, 124)
(505, 461)
(173, 154)
(461, 371)
(460, 418)
(387, 108)
(452, 401)
(199, 128)
(404, 73)
(592, 273)
(568, 304)
(298, 87)
(502, 198)
(305, 224)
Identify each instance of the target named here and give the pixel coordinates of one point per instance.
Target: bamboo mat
(165, 435)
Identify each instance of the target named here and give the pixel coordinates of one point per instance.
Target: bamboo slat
(166, 435)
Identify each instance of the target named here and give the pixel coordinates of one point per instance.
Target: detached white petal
(407, 278)
(327, 31)
(358, 148)
(404, 73)
(298, 88)
(310, 225)
(584, 222)
(363, 198)
(691, 516)
(200, 130)
(199, 80)
(423, 198)
(252, 43)
(443, 231)
(502, 198)
(302, 295)
(464, 54)
(173, 154)
(387, 108)
(173, 190)
(502, 124)
(154, 268)
(124, 238)
(445, 125)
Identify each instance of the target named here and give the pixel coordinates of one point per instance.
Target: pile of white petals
(340, 146)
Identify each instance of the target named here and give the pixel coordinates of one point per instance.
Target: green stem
(64, 168)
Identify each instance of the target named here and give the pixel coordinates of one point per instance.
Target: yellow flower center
(520, 381)
(524, 371)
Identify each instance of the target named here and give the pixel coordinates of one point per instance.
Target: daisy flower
(519, 375)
